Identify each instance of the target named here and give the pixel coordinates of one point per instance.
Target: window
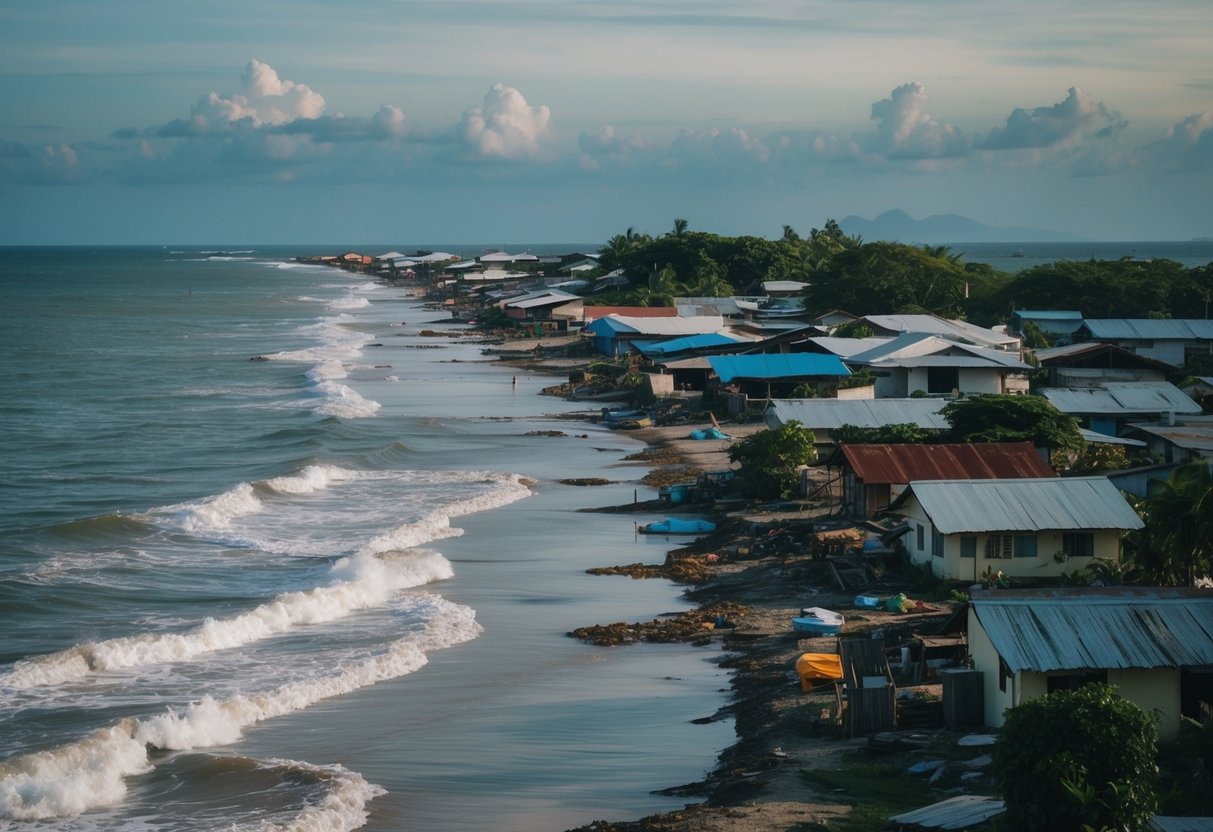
(1008, 545)
(1025, 546)
(1078, 544)
(1004, 673)
(968, 546)
(999, 546)
(922, 545)
(936, 543)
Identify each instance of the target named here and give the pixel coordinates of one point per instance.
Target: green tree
(1006, 418)
(680, 227)
(897, 434)
(1176, 546)
(662, 288)
(884, 278)
(1077, 758)
(771, 460)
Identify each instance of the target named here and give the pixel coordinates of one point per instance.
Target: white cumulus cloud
(506, 127)
(1065, 123)
(1187, 146)
(264, 100)
(905, 131)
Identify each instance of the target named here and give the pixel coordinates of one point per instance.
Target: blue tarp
(709, 433)
(779, 366)
(690, 342)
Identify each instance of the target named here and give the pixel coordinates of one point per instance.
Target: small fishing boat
(676, 525)
(817, 621)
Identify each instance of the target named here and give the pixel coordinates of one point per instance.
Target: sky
(499, 121)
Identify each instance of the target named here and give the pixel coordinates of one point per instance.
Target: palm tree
(1176, 546)
(680, 227)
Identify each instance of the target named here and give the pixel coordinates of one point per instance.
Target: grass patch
(874, 789)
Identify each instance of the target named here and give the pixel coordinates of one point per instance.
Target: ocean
(324, 590)
(327, 589)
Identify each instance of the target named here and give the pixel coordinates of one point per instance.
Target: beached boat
(817, 621)
(772, 307)
(676, 525)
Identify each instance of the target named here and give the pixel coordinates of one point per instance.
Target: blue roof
(690, 342)
(783, 365)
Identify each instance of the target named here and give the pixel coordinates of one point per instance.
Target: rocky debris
(585, 481)
(694, 626)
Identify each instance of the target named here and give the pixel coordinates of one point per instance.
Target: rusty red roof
(595, 312)
(970, 461)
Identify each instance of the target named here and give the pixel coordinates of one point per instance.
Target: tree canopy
(1006, 418)
(771, 459)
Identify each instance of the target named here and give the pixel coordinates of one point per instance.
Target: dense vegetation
(882, 277)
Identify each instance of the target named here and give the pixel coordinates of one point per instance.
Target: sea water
(323, 589)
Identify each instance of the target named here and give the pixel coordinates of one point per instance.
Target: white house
(936, 365)
(1024, 528)
(1153, 644)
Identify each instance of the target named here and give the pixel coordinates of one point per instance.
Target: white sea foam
(73, 778)
(343, 807)
(341, 304)
(360, 583)
(311, 479)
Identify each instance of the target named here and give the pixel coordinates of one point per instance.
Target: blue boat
(675, 525)
(817, 621)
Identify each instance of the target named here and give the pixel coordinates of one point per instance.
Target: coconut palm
(1176, 546)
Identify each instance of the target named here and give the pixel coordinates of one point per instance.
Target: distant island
(937, 229)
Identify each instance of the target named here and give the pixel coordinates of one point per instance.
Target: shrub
(1077, 758)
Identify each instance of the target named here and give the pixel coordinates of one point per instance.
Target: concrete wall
(956, 568)
(1152, 690)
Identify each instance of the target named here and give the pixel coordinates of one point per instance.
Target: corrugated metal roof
(1087, 350)
(845, 347)
(831, 414)
(958, 812)
(595, 312)
(1189, 437)
(1150, 329)
(1162, 823)
(911, 463)
(779, 365)
(915, 349)
(691, 342)
(1049, 314)
(935, 325)
(1038, 504)
(1103, 439)
(1097, 629)
(1122, 398)
(671, 327)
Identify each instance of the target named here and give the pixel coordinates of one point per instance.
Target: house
(1189, 439)
(834, 318)
(547, 306)
(1053, 322)
(824, 416)
(1025, 528)
(1153, 644)
(1109, 408)
(948, 328)
(593, 313)
(1164, 339)
(615, 334)
(874, 475)
(760, 375)
(1093, 364)
(931, 364)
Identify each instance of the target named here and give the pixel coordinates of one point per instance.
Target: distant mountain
(938, 229)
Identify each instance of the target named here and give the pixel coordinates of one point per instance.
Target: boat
(817, 621)
(676, 525)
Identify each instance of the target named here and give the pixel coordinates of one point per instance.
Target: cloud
(905, 131)
(1187, 146)
(506, 127)
(48, 164)
(1066, 123)
(714, 147)
(266, 99)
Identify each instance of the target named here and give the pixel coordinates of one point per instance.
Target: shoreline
(758, 782)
